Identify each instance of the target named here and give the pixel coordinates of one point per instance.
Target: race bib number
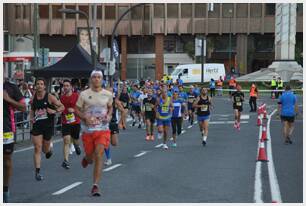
(190, 100)
(8, 137)
(238, 103)
(165, 109)
(148, 107)
(70, 118)
(41, 114)
(204, 108)
(237, 99)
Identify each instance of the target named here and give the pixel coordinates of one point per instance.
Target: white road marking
(141, 154)
(189, 126)
(196, 122)
(65, 189)
(159, 145)
(129, 119)
(227, 122)
(183, 131)
(274, 186)
(112, 167)
(245, 116)
(258, 183)
(32, 147)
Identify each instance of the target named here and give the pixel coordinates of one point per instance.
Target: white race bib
(70, 118)
(8, 137)
(204, 108)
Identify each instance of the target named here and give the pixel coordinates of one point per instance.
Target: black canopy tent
(76, 63)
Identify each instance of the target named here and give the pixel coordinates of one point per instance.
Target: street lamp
(230, 41)
(74, 11)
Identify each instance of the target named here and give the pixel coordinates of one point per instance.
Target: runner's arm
(195, 103)
(57, 103)
(19, 105)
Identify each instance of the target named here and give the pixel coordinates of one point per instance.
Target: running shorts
(46, 132)
(203, 118)
(8, 148)
(136, 108)
(113, 126)
(163, 122)
(240, 109)
(71, 129)
(287, 119)
(90, 140)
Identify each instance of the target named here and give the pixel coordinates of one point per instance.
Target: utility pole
(94, 23)
(230, 42)
(36, 35)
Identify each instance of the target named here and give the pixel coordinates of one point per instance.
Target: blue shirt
(196, 92)
(183, 96)
(177, 108)
(135, 95)
(287, 100)
(212, 84)
(180, 82)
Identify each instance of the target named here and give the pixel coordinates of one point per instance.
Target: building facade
(154, 38)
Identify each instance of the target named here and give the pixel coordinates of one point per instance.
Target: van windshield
(176, 72)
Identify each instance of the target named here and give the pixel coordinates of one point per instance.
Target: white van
(191, 73)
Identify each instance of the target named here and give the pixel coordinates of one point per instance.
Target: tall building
(154, 38)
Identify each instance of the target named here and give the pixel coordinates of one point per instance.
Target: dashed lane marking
(189, 126)
(112, 167)
(141, 154)
(159, 145)
(65, 189)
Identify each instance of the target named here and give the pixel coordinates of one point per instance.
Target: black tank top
(204, 109)
(124, 98)
(41, 115)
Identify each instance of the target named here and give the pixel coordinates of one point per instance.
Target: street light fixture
(74, 11)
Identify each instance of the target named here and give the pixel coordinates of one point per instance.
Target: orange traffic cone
(262, 153)
(264, 134)
(258, 120)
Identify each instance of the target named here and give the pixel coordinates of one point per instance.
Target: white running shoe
(159, 135)
(165, 146)
(108, 162)
(171, 139)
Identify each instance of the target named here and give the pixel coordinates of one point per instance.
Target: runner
(70, 122)
(191, 99)
(203, 105)
(238, 99)
(212, 86)
(177, 119)
(12, 99)
(149, 113)
(43, 109)
(94, 107)
(136, 110)
(163, 110)
(288, 109)
(253, 98)
(142, 96)
(124, 99)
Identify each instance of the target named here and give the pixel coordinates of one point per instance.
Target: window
(26, 11)
(99, 12)
(242, 10)
(169, 44)
(136, 13)
(121, 10)
(186, 10)
(44, 11)
(159, 11)
(227, 10)
(71, 16)
(6, 41)
(270, 9)
(200, 10)
(84, 9)
(17, 11)
(299, 9)
(172, 10)
(215, 13)
(255, 10)
(147, 11)
(110, 12)
(55, 13)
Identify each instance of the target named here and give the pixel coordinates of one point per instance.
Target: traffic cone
(262, 153)
(258, 120)
(264, 134)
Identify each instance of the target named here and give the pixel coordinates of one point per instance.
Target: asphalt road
(223, 171)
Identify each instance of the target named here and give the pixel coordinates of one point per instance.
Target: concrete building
(154, 38)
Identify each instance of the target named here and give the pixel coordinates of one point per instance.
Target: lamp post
(230, 41)
(74, 11)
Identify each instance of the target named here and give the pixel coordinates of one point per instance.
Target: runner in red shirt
(70, 122)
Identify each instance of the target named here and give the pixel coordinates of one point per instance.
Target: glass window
(215, 13)
(17, 11)
(110, 12)
(44, 11)
(227, 10)
(255, 10)
(200, 11)
(121, 10)
(147, 11)
(186, 10)
(169, 44)
(270, 9)
(299, 9)
(84, 8)
(172, 10)
(242, 10)
(71, 16)
(26, 11)
(55, 13)
(159, 11)
(136, 13)
(99, 12)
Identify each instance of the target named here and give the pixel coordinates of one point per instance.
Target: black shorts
(8, 148)
(150, 117)
(288, 119)
(46, 132)
(239, 108)
(113, 127)
(71, 129)
(136, 108)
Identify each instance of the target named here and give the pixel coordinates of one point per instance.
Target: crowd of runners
(96, 114)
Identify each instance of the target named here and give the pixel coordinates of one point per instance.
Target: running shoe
(171, 139)
(66, 164)
(108, 162)
(139, 126)
(38, 176)
(84, 162)
(147, 137)
(133, 124)
(203, 143)
(289, 140)
(165, 146)
(152, 138)
(123, 128)
(77, 149)
(49, 154)
(95, 191)
(174, 145)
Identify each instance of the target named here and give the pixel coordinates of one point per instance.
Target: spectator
(212, 86)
